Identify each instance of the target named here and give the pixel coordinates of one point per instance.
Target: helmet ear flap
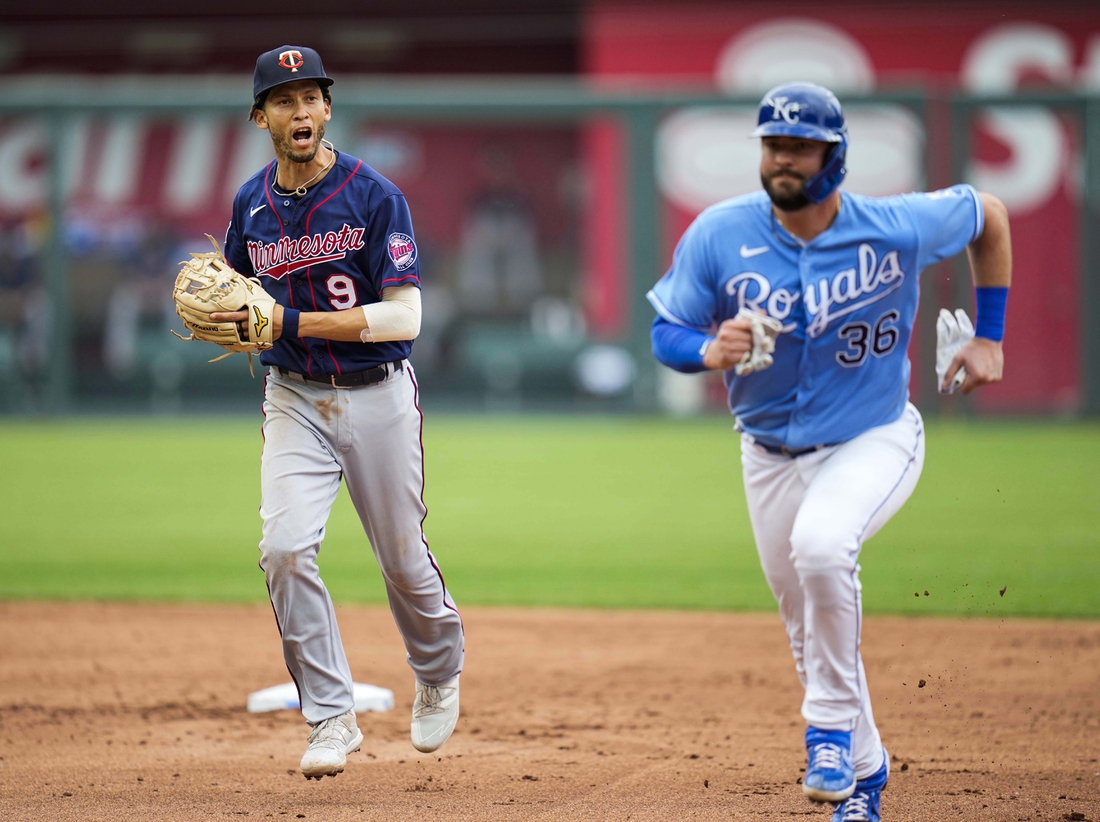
(825, 182)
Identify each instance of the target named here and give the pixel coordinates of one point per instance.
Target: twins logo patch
(402, 251)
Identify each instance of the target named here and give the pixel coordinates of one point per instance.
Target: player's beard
(284, 147)
(785, 201)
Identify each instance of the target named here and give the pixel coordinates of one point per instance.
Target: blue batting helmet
(813, 112)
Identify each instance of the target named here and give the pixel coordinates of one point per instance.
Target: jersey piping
(662, 309)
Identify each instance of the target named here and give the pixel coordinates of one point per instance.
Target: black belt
(368, 377)
(784, 451)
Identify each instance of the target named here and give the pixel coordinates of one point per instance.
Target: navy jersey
(337, 247)
(847, 300)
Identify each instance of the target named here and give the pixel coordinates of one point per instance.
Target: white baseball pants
(810, 516)
(370, 436)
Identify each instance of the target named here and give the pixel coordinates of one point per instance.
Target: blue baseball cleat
(863, 804)
(830, 774)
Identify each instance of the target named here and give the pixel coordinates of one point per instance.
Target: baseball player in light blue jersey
(805, 297)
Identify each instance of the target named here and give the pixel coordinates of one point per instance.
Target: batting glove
(953, 331)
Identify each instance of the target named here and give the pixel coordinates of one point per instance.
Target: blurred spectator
(143, 294)
(499, 271)
(24, 304)
(434, 344)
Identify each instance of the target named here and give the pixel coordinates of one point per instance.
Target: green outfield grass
(547, 511)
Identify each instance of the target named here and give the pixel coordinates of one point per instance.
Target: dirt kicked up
(119, 712)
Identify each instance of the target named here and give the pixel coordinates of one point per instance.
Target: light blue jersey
(847, 300)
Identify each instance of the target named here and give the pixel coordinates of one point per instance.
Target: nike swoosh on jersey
(252, 212)
(747, 252)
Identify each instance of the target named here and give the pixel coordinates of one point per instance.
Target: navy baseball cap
(285, 65)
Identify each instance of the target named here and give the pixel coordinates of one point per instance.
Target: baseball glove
(205, 285)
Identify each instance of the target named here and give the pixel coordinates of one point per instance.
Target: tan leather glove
(205, 285)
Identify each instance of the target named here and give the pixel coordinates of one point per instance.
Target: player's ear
(260, 119)
(328, 110)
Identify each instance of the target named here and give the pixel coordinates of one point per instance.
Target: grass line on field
(605, 512)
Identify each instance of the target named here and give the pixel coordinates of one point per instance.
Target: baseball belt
(784, 451)
(368, 377)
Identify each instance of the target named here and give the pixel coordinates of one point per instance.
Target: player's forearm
(681, 349)
(991, 254)
(395, 317)
(345, 325)
(991, 270)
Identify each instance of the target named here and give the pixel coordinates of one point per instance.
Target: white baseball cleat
(330, 742)
(435, 712)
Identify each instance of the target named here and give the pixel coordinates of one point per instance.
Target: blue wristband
(991, 302)
(290, 324)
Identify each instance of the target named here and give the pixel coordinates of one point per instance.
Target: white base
(285, 697)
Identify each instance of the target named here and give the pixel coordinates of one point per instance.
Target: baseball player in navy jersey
(805, 297)
(332, 241)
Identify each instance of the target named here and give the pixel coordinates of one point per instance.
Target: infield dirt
(120, 712)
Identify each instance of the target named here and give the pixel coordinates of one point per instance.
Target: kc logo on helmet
(782, 109)
(402, 250)
(291, 60)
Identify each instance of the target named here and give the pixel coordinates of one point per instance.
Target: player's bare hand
(241, 319)
(731, 344)
(984, 360)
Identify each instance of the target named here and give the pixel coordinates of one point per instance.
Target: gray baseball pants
(314, 434)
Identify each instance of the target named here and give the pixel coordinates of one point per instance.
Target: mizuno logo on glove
(261, 321)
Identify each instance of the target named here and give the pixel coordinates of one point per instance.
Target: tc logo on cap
(291, 60)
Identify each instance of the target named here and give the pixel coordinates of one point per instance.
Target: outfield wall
(571, 195)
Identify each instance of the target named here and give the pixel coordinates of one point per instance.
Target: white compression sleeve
(397, 317)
